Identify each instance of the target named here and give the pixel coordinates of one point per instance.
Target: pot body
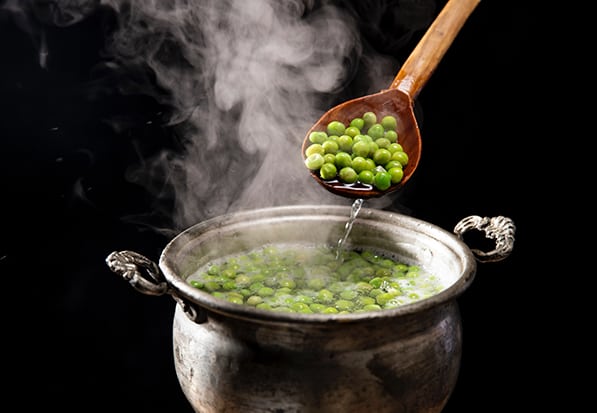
(235, 358)
(406, 364)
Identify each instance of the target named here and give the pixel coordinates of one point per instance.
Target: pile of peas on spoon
(365, 151)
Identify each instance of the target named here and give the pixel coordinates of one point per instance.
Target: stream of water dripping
(354, 211)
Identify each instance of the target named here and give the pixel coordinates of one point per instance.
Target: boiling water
(310, 280)
(316, 278)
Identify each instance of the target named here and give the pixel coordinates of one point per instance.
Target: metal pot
(235, 358)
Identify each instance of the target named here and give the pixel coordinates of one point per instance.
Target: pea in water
(310, 280)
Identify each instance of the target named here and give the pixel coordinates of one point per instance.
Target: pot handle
(501, 229)
(128, 264)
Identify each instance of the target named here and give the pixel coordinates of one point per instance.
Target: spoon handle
(420, 65)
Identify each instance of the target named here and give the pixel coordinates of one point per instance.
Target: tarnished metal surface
(398, 365)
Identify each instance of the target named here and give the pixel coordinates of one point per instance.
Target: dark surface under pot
(88, 343)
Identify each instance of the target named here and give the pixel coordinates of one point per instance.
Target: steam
(29, 13)
(245, 80)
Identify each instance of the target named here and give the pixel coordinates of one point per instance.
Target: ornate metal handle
(501, 229)
(128, 264)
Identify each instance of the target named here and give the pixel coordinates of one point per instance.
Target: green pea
(383, 272)
(401, 157)
(256, 286)
(362, 138)
(196, 284)
(265, 291)
(328, 171)
(376, 131)
(366, 177)
(396, 175)
(372, 307)
(317, 137)
(383, 298)
(392, 164)
(348, 175)
(345, 143)
(330, 146)
(344, 305)
(301, 307)
(348, 294)
(389, 122)
(382, 181)
(370, 164)
(245, 292)
(243, 280)
(258, 277)
(364, 287)
(317, 307)
(325, 296)
(361, 148)
(376, 282)
(314, 161)
(358, 123)
(304, 298)
(331, 158)
(369, 119)
(288, 283)
(383, 143)
(343, 159)
(283, 291)
(382, 156)
(315, 148)
(229, 285)
(395, 147)
(235, 299)
(365, 300)
(375, 292)
(391, 135)
(352, 131)
(336, 127)
(360, 164)
(264, 306)
(254, 300)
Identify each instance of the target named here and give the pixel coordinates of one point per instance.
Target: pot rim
(181, 289)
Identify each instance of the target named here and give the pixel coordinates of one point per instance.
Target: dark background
(85, 341)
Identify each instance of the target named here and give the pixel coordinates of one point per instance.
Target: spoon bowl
(398, 99)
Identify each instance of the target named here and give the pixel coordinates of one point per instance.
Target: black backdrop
(86, 341)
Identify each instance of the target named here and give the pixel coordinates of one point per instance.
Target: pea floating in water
(311, 280)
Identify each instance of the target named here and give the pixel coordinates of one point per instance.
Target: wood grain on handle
(420, 65)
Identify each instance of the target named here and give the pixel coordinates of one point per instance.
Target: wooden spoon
(398, 99)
